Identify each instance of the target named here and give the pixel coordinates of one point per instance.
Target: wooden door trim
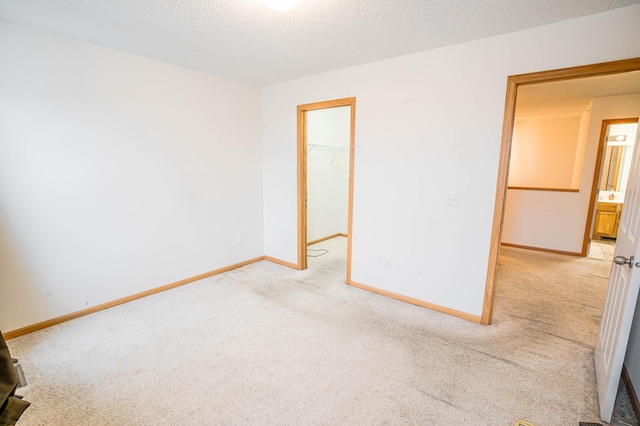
(513, 82)
(438, 308)
(302, 175)
(546, 250)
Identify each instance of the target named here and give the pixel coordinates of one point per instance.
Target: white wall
(544, 219)
(583, 134)
(118, 174)
(328, 172)
(557, 220)
(329, 126)
(543, 152)
(426, 124)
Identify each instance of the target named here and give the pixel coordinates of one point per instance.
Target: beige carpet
(265, 344)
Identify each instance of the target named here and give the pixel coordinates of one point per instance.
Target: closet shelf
(337, 149)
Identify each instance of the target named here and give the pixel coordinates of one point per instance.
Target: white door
(621, 296)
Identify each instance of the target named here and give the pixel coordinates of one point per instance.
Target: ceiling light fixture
(280, 5)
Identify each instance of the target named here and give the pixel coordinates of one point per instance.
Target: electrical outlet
(451, 199)
(387, 263)
(240, 240)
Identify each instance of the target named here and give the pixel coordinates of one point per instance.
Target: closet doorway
(326, 136)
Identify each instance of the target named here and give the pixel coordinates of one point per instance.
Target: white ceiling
(569, 98)
(242, 40)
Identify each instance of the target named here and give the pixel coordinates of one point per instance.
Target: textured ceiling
(569, 98)
(242, 40)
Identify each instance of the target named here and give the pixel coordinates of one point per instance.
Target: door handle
(621, 260)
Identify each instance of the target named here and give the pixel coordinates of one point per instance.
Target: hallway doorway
(514, 83)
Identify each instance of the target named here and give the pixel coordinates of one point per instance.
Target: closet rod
(311, 146)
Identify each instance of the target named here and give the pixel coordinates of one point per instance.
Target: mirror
(617, 157)
(611, 176)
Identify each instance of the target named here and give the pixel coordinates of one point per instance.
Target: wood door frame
(302, 175)
(597, 175)
(513, 82)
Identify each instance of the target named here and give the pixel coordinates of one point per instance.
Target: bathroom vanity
(607, 219)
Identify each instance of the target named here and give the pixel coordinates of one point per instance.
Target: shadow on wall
(16, 272)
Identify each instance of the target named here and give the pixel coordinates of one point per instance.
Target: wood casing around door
(513, 82)
(302, 175)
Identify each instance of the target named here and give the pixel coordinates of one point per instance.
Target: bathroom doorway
(617, 141)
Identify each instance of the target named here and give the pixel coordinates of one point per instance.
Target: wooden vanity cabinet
(607, 218)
